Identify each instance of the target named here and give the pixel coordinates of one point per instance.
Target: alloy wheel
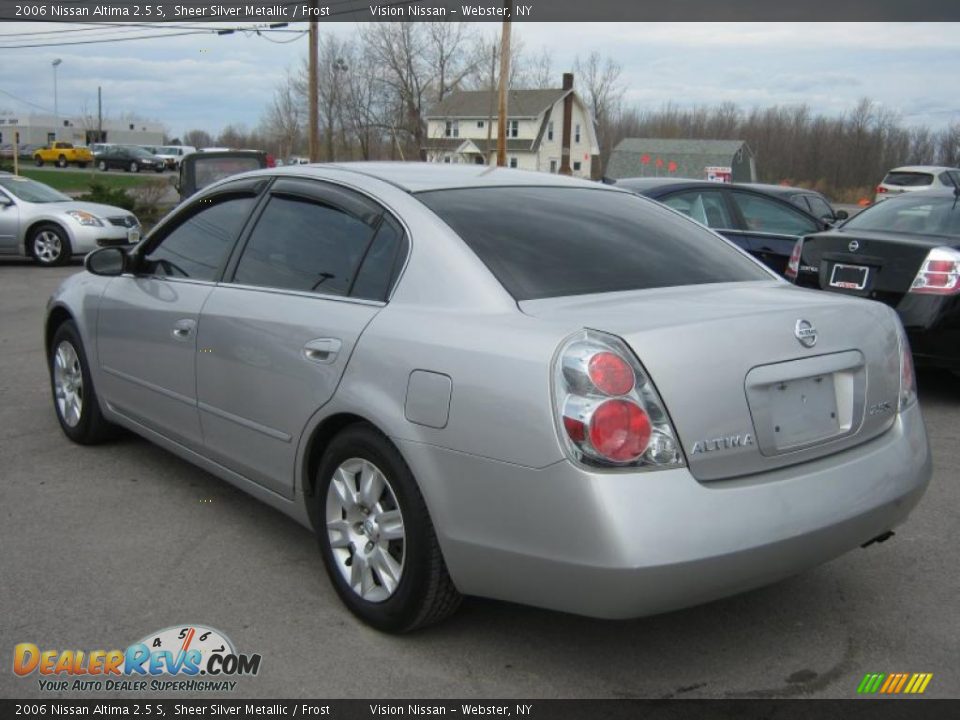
(68, 383)
(47, 247)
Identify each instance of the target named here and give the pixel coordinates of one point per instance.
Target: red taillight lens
(620, 430)
(610, 374)
(939, 274)
(881, 189)
(793, 266)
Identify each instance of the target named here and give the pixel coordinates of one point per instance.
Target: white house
(463, 129)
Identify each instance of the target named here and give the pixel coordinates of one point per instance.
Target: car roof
(420, 176)
(922, 168)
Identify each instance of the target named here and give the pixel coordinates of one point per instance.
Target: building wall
(580, 152)
(35, 130)
(468, 129)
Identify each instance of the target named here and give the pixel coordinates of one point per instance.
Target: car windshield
(549, 242)
(31, 191)
(912, 213)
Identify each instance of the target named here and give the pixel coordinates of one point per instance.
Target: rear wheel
(38, 160)
(49, 245)
(62, 161)
(376, 537)
(74, 398)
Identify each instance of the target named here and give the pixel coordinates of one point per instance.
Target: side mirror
(841, 214)
(108, 261)
(5, 202)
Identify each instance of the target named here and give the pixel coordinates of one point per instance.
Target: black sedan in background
(905, 252)
(765, 226)
(126, 157)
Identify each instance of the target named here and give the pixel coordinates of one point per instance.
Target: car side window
(819, 207)
(198, 246)
(303, 244)
(705, 206)
(380, 265)
(767, 215)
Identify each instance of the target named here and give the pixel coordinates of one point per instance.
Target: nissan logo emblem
(853, 246)
(806, 333)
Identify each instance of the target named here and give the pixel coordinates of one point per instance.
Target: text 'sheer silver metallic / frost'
(609, 453)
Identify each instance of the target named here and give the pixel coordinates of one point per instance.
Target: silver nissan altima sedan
(491, 382)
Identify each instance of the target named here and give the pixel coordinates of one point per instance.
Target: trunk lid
(890, 259)
(744, 394)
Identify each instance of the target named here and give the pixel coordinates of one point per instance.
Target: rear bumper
(619, 545)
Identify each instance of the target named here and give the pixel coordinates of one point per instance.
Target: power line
(107, 40)
(25, 102)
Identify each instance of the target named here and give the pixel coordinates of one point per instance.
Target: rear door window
(544, 242)
(707, 207)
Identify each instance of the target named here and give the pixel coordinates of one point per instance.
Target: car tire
(368, 508)
(134, 167)
(74, 398)
(103, 166)
(38, 160)
(49, 245)
(61, 162)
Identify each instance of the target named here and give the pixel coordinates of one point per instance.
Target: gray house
(638, 157)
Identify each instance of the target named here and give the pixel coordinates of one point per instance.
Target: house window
(479, 123)
(553, 166)
(576, 166)
(452, 129)
(513, 128)
(513, 162)
(550, 132)
(576, 133)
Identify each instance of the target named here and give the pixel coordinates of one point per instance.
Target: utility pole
(493, 78)
(99, 114)
(504, 80)
(313, 111)
(56, 108)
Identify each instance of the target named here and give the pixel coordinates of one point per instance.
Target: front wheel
(134, 167)
(103, 166)
(61, 161)
(49, 245)
(38, 160)
(74, 398)
(376, 537)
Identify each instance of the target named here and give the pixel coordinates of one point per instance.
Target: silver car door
(147, 325)
(9, 225)
(275, 339)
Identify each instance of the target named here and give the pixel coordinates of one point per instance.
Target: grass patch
(81, 181)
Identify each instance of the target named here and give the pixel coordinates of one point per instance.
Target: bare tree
(603, 91)
(284, 119)
(198, 139)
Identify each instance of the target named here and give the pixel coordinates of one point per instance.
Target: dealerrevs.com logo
(181, 658)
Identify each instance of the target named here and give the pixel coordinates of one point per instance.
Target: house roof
(690, 156)
(479, 103)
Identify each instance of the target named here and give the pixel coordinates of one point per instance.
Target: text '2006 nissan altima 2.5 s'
(490, 382)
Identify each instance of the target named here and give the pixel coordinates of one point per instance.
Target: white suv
(917, 177)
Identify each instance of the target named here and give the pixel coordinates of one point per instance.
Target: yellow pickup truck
(63, 154)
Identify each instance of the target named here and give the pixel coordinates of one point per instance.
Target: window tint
(197, 248)
(765, 215)
(549, 242)
(908, 179)
(705, 206)
(376, 273)
(299, 244)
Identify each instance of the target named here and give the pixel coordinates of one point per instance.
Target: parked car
(911, 178)
(499, 383)
(63, 154)
(40, 222)
(765, 226)
(810, 201)
(129, 158)
(904, 252)
(173, 154)
(298, 160)
(198, 170)
(98, 148)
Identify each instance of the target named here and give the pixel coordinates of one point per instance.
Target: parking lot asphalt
(100, 546)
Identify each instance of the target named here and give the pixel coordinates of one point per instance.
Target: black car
(126, 157)
(809, 201)
(765, 226)
(905, 252)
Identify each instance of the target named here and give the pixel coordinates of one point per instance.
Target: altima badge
(806, 333)
(727, 442)
(853, 246)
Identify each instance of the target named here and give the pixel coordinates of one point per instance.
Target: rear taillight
(607, 409)
(939, 274)
(908, 379)
(793, 266)
(881, 189)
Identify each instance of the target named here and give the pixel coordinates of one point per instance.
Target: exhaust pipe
(882, 537)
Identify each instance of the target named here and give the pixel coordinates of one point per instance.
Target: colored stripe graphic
(894, 683)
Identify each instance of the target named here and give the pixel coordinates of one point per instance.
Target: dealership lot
(104, 545)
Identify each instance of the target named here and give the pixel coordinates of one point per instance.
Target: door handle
(183, 328)
(322, 350)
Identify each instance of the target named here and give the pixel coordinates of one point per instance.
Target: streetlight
(56, 109)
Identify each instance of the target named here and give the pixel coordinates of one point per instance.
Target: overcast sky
(210, 81)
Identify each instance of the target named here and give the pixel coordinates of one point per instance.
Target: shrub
(118, 197)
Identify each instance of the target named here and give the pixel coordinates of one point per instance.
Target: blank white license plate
(803, 411)
(849, 277)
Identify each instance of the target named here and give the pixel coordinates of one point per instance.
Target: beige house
(463, 129)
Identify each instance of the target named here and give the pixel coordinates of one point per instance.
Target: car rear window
(910, 213)
(549, 242)
(908, 179)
